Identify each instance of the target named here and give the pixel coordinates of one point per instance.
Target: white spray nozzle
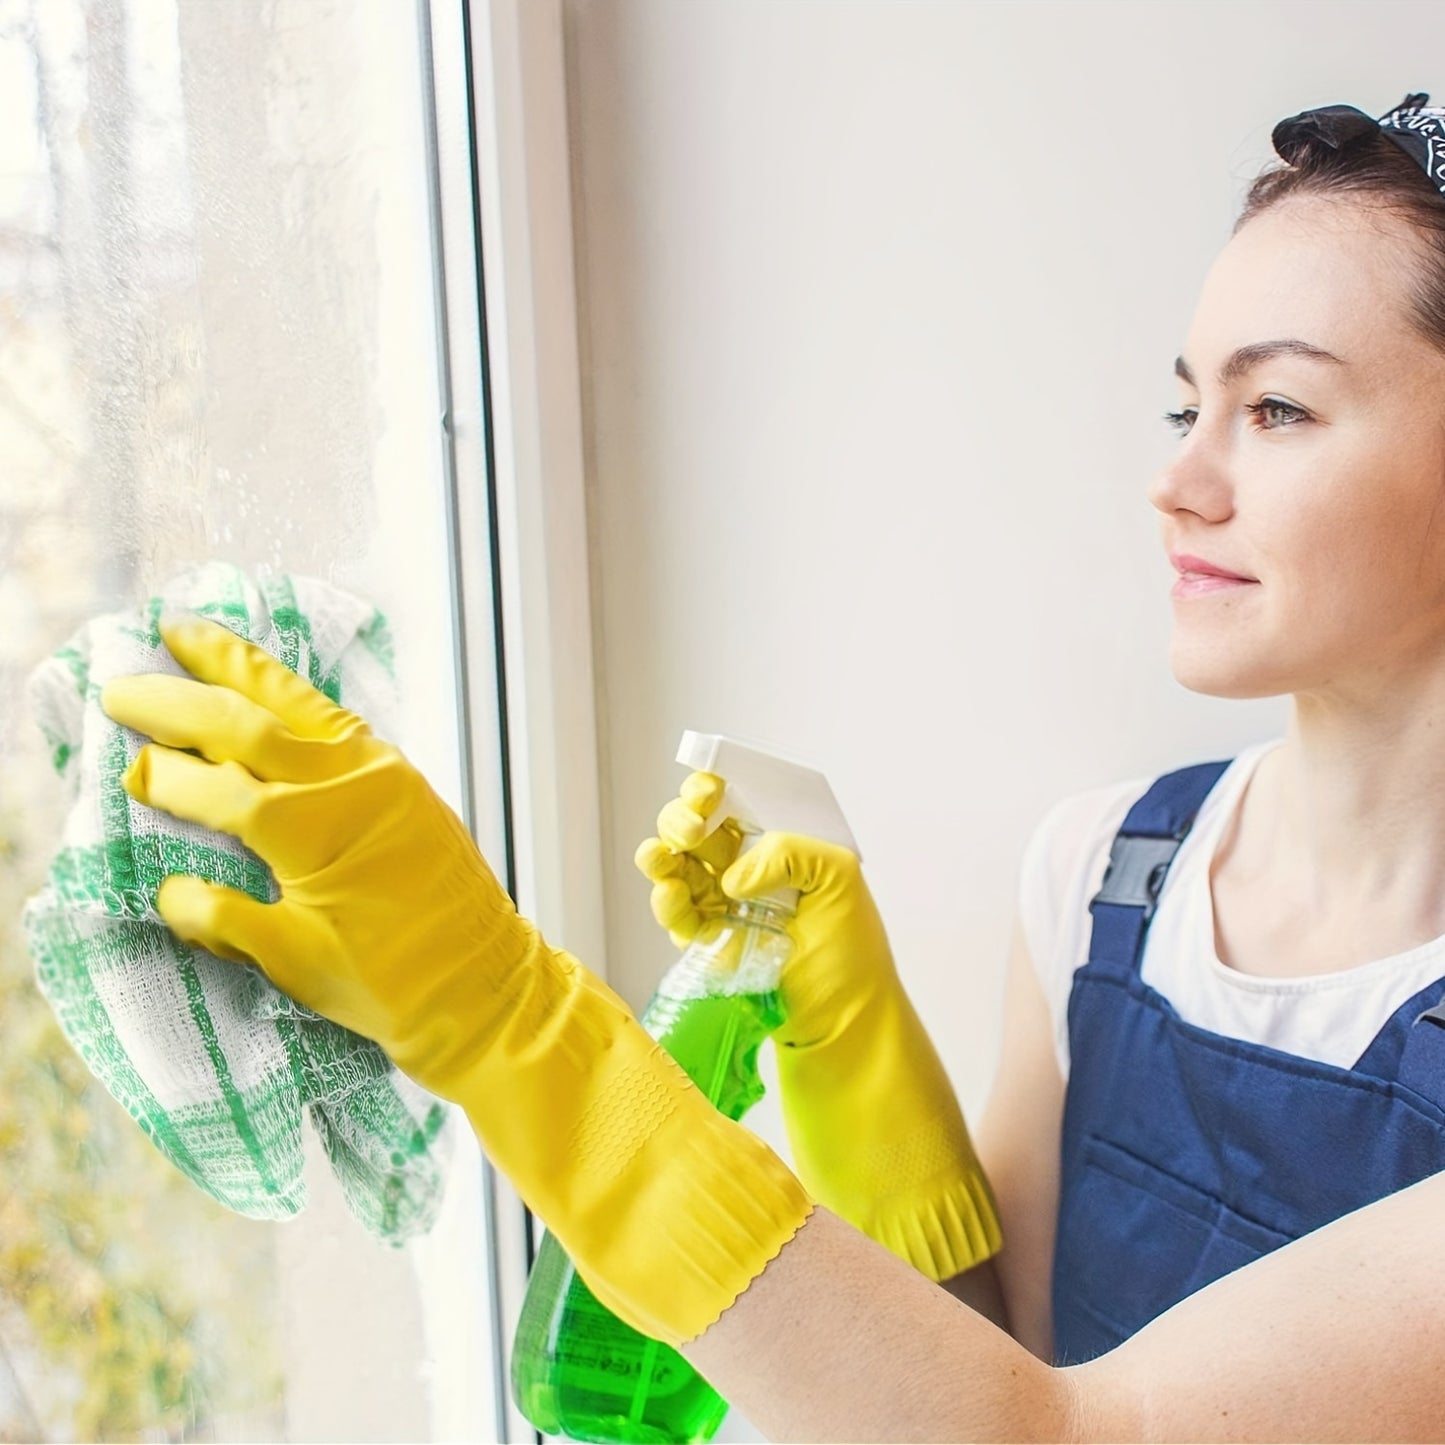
(766, 792)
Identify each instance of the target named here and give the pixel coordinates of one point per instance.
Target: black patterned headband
(1416, 126)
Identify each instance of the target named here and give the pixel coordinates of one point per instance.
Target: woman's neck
(1347, 816)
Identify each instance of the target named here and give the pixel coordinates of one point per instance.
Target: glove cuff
(878, 1138)
(941, 1232)
(668, 1209)
(710, 1207)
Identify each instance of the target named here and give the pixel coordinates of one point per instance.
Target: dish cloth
(211, 1060)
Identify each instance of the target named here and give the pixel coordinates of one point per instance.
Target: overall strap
(1143, 849)
(1422, 1064)
(1410, 1047)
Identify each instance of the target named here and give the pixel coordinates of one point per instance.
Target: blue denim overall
(1186, 1153)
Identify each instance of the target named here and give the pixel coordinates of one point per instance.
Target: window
(226, 334)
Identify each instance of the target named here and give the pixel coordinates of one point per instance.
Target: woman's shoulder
(1063, 868)
(1076, 824)
(1082, 822)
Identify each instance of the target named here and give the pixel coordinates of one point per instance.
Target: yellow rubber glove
(875, 1127)
(391, 923)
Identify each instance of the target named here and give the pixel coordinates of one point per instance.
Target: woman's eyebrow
(1243, 358)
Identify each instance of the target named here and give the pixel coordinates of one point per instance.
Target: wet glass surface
(215, 342)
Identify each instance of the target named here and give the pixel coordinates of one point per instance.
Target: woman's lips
(1199, 576)
(1198, 584)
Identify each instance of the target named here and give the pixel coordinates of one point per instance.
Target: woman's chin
(1218, 670)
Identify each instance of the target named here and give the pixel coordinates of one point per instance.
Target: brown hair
(1374, 171)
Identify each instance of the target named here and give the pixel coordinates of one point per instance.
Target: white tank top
(1329, 1016)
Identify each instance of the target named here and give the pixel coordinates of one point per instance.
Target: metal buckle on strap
(1434, 1015)
(1135, 875)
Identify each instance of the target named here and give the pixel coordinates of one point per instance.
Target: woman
(1222, 1226)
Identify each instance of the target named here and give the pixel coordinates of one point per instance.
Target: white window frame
(510, 360)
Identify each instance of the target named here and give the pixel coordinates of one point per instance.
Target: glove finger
(215, 654)
(229, 923)
(221, 724)
(788, 860)
(702, 883)
(719, 848)
(679, 826)
(274, 936)
(702, 792)
(223, 796)
(656, 861)
(673, 907)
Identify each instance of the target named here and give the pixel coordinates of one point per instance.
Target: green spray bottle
(577, 1370)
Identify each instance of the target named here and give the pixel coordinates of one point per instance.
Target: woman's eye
(1271, 413)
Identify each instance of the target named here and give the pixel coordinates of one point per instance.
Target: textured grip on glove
(904, 1171)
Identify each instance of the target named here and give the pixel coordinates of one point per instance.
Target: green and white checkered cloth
(212, 1061)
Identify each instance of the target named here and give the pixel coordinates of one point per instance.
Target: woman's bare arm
(1018, 1145)
(1337, 1336)
(840, 1340)
(1017, 1140)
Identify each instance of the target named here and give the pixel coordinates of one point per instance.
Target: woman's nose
(1196, 480)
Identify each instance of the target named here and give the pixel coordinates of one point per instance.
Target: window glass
(217, 341)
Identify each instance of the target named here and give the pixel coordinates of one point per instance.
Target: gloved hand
(875, 1127)
(391, 923)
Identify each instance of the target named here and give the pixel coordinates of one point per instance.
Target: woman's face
(1322, 480)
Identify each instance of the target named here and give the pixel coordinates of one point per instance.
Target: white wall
(879, 306)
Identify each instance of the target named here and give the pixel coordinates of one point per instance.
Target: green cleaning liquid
(578, 1370)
